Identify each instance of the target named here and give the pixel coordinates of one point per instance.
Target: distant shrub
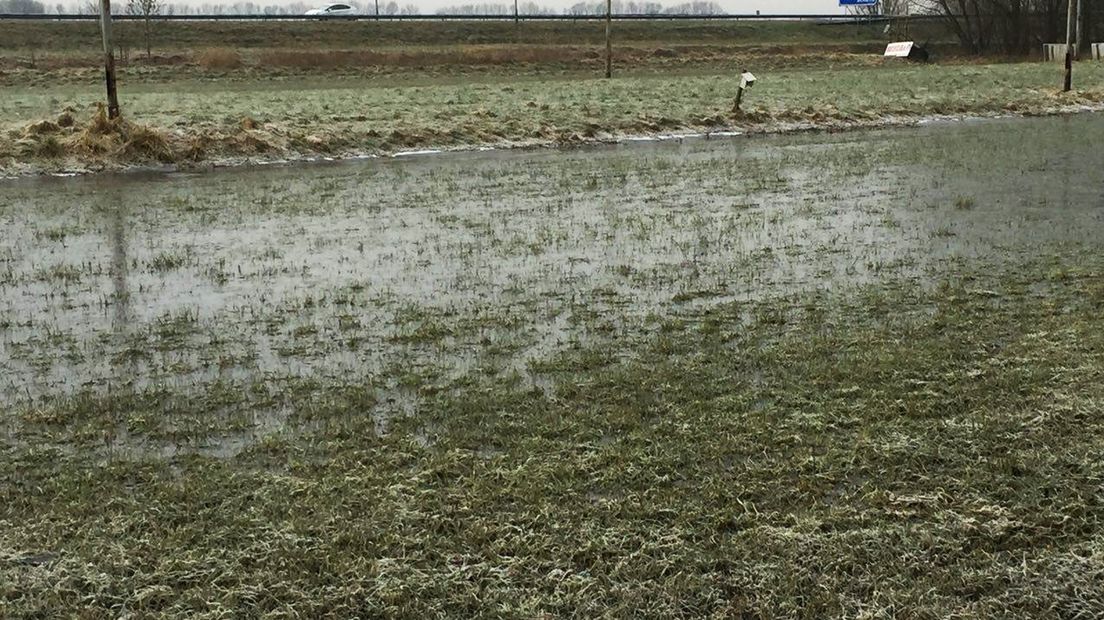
(218, 58)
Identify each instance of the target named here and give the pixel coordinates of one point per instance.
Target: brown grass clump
(145, 143)
(47, 147)
(119, 138)
(101, 124)
(218, 58)
(195, 148)
(66, 119)
(103, 141)
(251, 144)
(100, 137)
(40, 128)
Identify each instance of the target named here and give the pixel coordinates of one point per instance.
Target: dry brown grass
(145, 143)
(40, 128)
(474, 55)
(218, 58)
(506, 55)
(100, 137)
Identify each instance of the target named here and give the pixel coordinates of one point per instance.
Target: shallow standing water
(395, 273)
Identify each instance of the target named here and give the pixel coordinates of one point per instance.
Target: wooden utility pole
(516, 19)
(908, 18)
(609, 44)
(1080, 31)
(1069, 46)
(109, 59)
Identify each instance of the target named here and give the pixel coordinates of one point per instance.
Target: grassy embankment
(278, 94)
(198, 121)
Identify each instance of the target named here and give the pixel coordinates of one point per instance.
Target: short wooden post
(746, 81)
(109, 59)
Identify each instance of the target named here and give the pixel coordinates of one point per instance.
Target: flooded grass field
(853, 374)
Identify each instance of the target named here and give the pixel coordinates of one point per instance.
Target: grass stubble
(918, 438)
(868, 465)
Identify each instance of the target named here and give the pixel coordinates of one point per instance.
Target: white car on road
(333, 10)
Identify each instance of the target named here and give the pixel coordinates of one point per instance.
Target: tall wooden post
(908, 18)
(516, 19)
(109, 59)
(1080, 31)
(609, 44)
(1069, 46)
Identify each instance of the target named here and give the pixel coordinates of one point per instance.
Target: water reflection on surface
(489, 261)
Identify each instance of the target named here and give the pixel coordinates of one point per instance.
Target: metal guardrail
(372, 17)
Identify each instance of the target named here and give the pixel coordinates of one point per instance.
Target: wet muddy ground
(852, 375)
(402, 276)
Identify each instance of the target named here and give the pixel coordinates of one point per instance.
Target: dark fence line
(371, 17)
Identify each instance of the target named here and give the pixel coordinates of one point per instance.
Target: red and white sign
(899, 50)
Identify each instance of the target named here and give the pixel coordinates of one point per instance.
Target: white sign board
(899, 50)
